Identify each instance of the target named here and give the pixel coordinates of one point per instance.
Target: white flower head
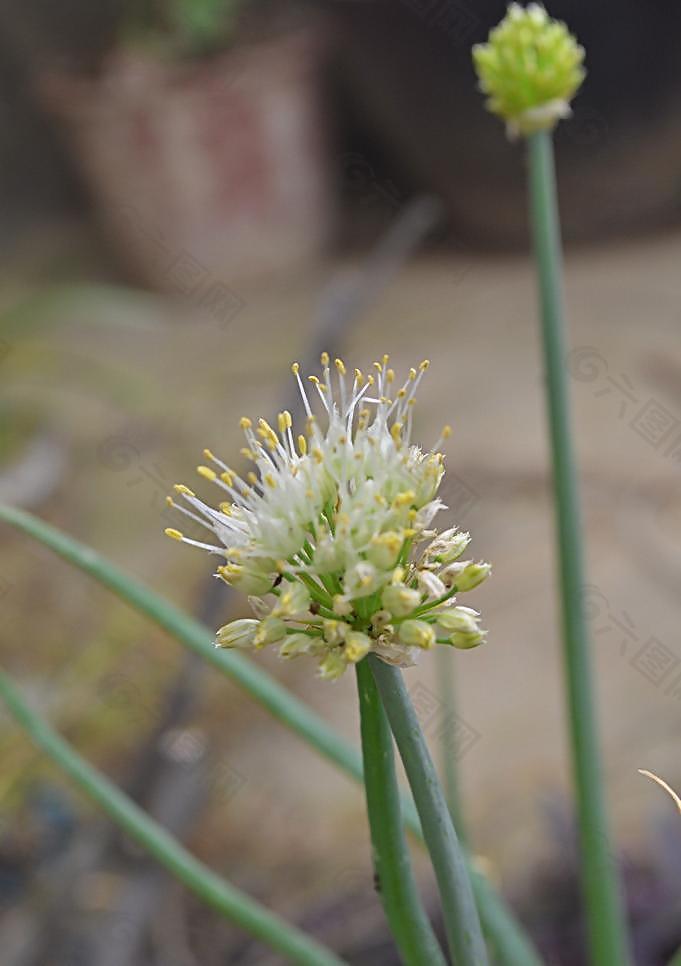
(326, 531)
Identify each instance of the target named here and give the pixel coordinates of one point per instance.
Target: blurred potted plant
(201, 140)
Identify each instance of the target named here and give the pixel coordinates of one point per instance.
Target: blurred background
(194, 193)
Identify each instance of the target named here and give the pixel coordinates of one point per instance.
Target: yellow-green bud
(239, 633)
(530, 68)
(357, 646)
(333, 666)
(297, 644)
(400, 600)
(384, 549)
(464, 574)
(417, 634)
(294, 599)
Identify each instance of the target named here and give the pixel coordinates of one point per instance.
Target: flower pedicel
(331, 532)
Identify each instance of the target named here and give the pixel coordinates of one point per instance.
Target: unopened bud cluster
(530, 68)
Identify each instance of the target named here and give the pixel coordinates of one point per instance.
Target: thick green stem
(462, 925)
(448, 763)
(510, 941)
(607, 930)
(214, 891)
(408, 921)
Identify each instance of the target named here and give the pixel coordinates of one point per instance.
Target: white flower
(326, 531)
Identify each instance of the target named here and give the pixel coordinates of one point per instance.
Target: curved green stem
(510, 941)
(214, 891)
(460, 915)
(408, 921)
(605, 916)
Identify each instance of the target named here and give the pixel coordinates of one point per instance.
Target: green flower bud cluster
(530, 68)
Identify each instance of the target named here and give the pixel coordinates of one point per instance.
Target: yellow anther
(398, 575)
(446, 432)
(401, 393)
(270, 480)
(340, 365)
(317, 454)
(245, 422)
(247, 453)
(359, 377)
(252, 477)
(395, 431)
(324, 359)
(424, 365)
(302, 445)
(412, 514)
(169, 501)
(181, 488)
(285, 421)
(227, 477)
(378, 367)
(209, 454)
(173, 534)
(295, 368)
(206, 472)
(404, 498)
(225, 508)
(314, 379)
(385, 359)
(390, 375)
(412, 374)
(370, 379)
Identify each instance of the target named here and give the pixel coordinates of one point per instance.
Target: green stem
(510, 941)
(607, 930)
(214, 891)
(450, 772)
(460, 915)
(676, 959)
(409, 923)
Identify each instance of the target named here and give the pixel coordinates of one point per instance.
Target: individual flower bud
(239, 633)
(464, 575)
(271, 630)
(357, 646)
(465, 640)
(296, 644)
(531, 68)
(249, 581)
(400, 600)
(333, 666)
(342, 605)
(384, 549)
(415, 633)
(361, 580)
(458, 619)
(430, 584)
(294, 600)
(334, 631)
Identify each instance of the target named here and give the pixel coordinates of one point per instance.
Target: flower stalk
(462, 924)
(607, 931)
(408, 921)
